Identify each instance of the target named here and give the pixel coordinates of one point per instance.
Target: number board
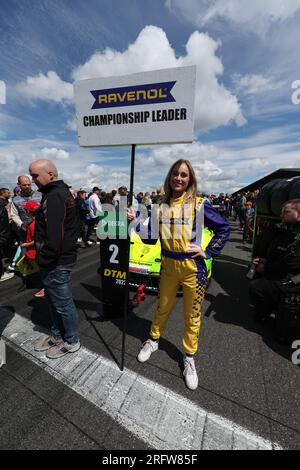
(113, 256)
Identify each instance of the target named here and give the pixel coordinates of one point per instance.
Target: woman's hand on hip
(130, 214)
(196, 250)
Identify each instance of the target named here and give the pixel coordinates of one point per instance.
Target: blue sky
(247, 58)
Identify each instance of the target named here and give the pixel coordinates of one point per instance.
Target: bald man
(21, 219)
(19, 215)
(56, 230)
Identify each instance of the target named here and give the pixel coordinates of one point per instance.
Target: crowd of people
(43, 229)
(22, 201)
(89, 206)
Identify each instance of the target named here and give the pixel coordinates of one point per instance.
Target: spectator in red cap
(31, 207)
(23, 193)
(249, 222)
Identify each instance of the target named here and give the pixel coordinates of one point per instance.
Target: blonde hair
(160, 190)
(146, 197)
(191, 190)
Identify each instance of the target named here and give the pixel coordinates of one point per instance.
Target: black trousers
(84, 231)
(266, 294)
(91, 225)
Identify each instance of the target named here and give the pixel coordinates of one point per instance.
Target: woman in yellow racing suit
(180, 220)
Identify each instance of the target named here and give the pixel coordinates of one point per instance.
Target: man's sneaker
(79, 240)
(147, 349)
(62, 349)
(190, 373)
(11, 267)
(40, 294)
(89, 242)
(6, 276)
(43, 344)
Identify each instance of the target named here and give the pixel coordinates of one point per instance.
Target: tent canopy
(281, 173)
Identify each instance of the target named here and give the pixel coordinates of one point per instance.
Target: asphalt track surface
(245, 376)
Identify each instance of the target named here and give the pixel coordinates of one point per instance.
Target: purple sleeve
(215, 222)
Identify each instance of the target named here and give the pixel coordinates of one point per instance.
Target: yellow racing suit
(177, 229)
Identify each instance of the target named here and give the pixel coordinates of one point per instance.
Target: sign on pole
(142, 108)
(112, 231)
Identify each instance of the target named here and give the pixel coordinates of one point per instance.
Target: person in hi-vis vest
(180, 229)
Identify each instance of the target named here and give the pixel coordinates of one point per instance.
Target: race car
(145, 261)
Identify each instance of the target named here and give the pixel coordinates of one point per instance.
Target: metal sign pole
(126, 299)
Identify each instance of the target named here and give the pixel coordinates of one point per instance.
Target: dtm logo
(134, 95)
(114, 273)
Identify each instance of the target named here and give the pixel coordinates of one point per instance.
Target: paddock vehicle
(145, 261)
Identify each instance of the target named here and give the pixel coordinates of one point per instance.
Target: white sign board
(142, 108)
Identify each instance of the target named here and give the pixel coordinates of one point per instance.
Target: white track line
(155, 414)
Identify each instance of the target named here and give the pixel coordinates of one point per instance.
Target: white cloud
(94, 171)
(227, 165)
(16, 155)
(11, 169)
(220, 166)
(8, 123)
(75, 166)
(3, 124)
(48, 87)
(243, 11)
(214, 105)
(212, 174)
(54, 154)
(88, 177)
(150, 51)
(254, 84)
(71, 125)
(256, 15)
(105, 177)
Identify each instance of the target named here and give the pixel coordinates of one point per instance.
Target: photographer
(277, 262)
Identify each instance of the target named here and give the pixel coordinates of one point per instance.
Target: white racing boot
(190, 373)
(147, 349)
